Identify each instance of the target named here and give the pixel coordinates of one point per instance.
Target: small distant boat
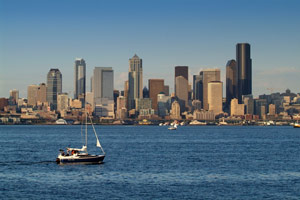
(145, 122)
(161, 124)
(223, 123)
(174, 127)
(76, 155)
(195, 122)
(61, 122)
(297, 125)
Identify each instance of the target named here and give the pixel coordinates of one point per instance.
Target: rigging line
(96, 135)
(85, 127)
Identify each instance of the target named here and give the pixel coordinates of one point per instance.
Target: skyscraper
(231, 81)
(244, 65)
(197, 81)
(135, 81)
(32, 91)
(54, 86)
(62, 102)
(103, 83)
(215, 97)
(14, 96)
(156, 86)
(103, 89)
(207, 76)
(79, 78)
(181, 86)
(42, 93)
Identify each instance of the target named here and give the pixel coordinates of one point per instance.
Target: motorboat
(174, 127)
(76, 155)
(196, 122)
(61, 122)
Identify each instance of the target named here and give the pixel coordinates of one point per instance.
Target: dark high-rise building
(156, 86)
(197, 80)
(182, 71)
(231, 81)
(181, 86)
(145, 92)
(244, 65)
(79, 78)
(54, 86)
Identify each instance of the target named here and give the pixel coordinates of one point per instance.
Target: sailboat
(76, 155)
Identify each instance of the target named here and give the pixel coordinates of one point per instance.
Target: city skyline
(203, 36)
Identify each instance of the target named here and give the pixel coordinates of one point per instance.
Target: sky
(36, 35)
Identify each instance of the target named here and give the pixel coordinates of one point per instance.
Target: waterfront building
(3, 103)
(145, 103)
(103, 86)
(249, 104)
(258, 104)
(175, 110)
(208, 75)
(272, 109)
(236, 109)
(196, 105)
(204, 115)
(62, 102)
(104, 108)
(231, 81)
(42, 93)
(181, 86)
(135, 81)
(121, 112)
(14, 96)
(197, 87)
(75, 104)
(54, 87)
(244, 65)
(79, 79)
(89, 99)
(156, 86)
(22, 102)
(215, 97)
(163, 104)
(32, 95)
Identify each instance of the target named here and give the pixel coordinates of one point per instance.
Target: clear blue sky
(36, 35)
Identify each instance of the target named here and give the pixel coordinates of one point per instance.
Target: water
(151, 162)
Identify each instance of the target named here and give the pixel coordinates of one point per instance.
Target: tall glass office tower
(54, 87)
(244, 65)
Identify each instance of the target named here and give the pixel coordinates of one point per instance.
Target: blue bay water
(151, 162)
